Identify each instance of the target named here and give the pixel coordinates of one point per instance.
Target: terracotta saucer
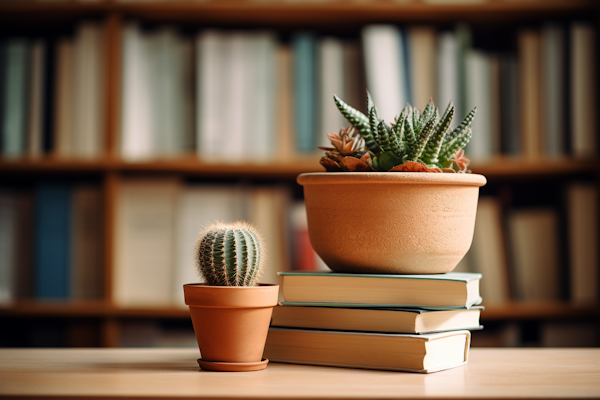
(232, 367)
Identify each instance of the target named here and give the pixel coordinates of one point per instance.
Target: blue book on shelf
(304, 45)
(52, 240)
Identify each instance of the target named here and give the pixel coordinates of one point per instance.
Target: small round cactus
(230, 254)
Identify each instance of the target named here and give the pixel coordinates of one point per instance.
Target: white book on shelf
(584, 106)
(448, 88)
(553, 89)
(197, 207)
(533, 238)
(88, 85)
(583, 242)
(165, 65)
(136, 116)
(260, 145)
(330, 55)
(210, 91)
(422, 49)
(235, 109)
(63, 98)
(478, 94)
(382, 46)
(8, 245)
(488, 252)
(267, 212)
(36, 96)
(144, 242)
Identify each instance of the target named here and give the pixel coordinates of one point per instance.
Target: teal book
(15, 88)
(52, 240)
(304, 48)
(458, 290)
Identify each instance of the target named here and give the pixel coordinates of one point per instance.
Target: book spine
(52, 240)
(305, 79)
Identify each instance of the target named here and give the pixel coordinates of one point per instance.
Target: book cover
(87, 261)
(331, 81)
(391, 320)
(209, 88)
(52, 240)
(422, 56)
(583, 107)
(452, 289)
(478, 93)
(583, 242)
(144, 242)
(15, 102)
(63, 99)
(284, 140)
(509, 105)
(8, 245)
(262, 98)
(447, 74)
(533, 237)
(304, 48)
(395, 352)
(553, 89)
(383, 67)
(488, 252)
(529, 56)
(35, 109)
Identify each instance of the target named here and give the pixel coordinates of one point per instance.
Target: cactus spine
(230, 254)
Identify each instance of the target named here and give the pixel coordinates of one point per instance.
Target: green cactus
(413, 136)
(230, 254)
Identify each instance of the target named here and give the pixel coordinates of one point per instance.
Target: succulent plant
(230, 254)
(414, 141)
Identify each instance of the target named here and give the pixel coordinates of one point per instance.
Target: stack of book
(417, 323)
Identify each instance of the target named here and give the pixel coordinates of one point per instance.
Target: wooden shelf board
(540, 310)
(92, 309)
(334, 12)
(501, 167)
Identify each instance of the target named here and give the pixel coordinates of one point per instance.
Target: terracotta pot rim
(326, 178)
(265, 295)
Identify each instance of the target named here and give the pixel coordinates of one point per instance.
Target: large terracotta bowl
(391, 222)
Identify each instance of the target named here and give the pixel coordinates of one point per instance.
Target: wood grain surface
(174, 373)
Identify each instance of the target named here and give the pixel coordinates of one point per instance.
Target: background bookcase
(98, 323)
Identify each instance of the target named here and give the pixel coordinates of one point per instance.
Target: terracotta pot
(391, 222)
(231, 323)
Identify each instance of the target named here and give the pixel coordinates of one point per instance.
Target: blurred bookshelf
(514, 181)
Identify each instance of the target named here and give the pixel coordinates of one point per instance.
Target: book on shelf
(385, 66)
(144, 242)
(448, 88)
(15, 85)
(488, 252)
(583, 105)
(36, 96)
(530, 65)
(452, 289)
(535, 249)
(304, 54)
(391, 320)
(8, 245)
(422, 57)
(554, 73)
(396, 352)
(331, 81)
(582, 210)
(53, 234)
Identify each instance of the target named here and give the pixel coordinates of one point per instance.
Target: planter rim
(201, 295)
(422, 178)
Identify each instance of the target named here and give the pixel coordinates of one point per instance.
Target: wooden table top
(174, 373)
